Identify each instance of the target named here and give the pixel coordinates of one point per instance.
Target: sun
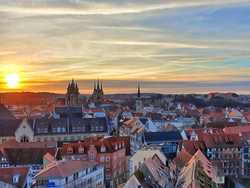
(12, 80)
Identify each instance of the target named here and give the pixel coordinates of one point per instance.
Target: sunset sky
(196, 46)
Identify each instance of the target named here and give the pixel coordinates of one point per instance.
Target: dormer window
(16, 178)
(81, 150)
(123, 144)
(38, 130)
(119, 146)
(70, 150)
(103, 149)
(116, 147)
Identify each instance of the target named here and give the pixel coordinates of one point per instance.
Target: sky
(197, 46)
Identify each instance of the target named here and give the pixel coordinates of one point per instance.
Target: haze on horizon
(168, 46)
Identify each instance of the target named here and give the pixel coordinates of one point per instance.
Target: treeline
(201, 103)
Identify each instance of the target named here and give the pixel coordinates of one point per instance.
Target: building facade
(109, 152)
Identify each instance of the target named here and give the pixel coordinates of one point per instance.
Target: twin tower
(74, 98)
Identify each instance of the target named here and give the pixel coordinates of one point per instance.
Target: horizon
(169, 47)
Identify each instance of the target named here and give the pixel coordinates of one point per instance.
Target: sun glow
(12, 80)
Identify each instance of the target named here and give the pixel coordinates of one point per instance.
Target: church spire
(94, 86)
(76, 86)
(138, 94)
(101, 86)
(98, 84)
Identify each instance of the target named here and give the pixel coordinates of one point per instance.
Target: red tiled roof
(62, 170)
(192, 146)
(182, 158)
(99, 142)
(237, 129)
(6, 175)
(222, 140)
(49, 157)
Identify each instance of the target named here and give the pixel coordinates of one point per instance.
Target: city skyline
(169, 47)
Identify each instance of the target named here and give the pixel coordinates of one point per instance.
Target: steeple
(94, 86)
(69, 85)
(76, 86)
(139, 94)
(72, 80)
(101, 86)
(98, 84)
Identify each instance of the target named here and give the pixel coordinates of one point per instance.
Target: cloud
(78, 7)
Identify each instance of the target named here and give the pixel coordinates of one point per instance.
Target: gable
(24, 129)
(132, 182)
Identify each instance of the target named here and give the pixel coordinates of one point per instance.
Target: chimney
(63, 159)
(160, 148)
(54, 161)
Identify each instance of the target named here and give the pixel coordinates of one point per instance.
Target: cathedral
(73, 97)
(97, 96)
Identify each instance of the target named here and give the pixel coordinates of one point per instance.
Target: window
(74, 129)
(52, 138)
(101, 128)
(65, 138)
(79, 137)
(78, 129)
(38, 130)
(119, 146)
(115, 157)
(72, 137)
(38, 139)
(45, 130)
(103, 149)
(58, 129)
(63, 129)
(115, 174)
(92, 128)
(120, 171)
(81, 150)
(96, 128)
(58, 138)
(107, 167)
(45, 139)
(107, 176)
(120, 154)
(115, 166)
(53, 130)
(102, 159)
(70, 151)
(116, 147)
(123, 144)
(83, 129)
(107, 158)
(91, 156)
(120, 163)
(220, 178)
(3, 140)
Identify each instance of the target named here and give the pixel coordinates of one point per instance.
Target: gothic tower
(73, 97)
(138, 100)
(97, 96)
